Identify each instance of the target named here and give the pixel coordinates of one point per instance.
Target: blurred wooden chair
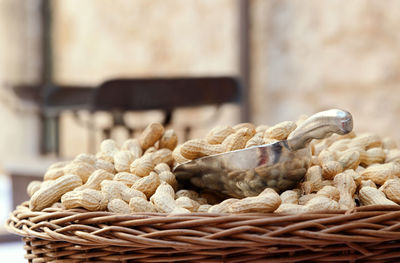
(118, 96)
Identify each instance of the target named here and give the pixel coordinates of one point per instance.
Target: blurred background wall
(305, 56)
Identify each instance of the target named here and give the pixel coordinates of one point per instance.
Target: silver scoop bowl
(280, 165)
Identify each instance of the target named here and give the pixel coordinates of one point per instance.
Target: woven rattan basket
(366, 234)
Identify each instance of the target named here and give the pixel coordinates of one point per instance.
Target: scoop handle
(319, 126)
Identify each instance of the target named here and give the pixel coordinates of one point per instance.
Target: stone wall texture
(313, 55)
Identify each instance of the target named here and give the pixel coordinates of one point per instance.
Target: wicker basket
(366, 234)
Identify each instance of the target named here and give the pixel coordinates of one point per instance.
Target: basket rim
(366, 224)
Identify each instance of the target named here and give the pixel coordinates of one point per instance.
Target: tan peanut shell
(218, 134)
(118, 206)
(187, 203)
(142, 166)
(123, 160)
(179, 210)
(151, 134)
(223, 207)
(372, 196)
(197, 148)
(58, 165)
(349, 160)
(112, 189)
(330, 169)
(176, 154)
(108, 148)
(380, 173)
(257, 139)
(169, 140)
(82, 169)
(203, 208)
(169, 178)
(290, 208)
(147, 184)
(238, 139)
(95, 179)
(105, 165)
(266, 203)
(366, 140)
(373, 155)
(33, 187)
(344, 182)
(290, 197)
(330, 192)
(163, 199)
(89, 199)
(86, 158)
(280, 131)
(162, 156)
(54, 173)
(391, 188)
(137, 204)
(128, 193)
(392, 155)
(187, 193)
(46, 196)
(133, 146)
(389, 143)
(321, 203)
(127, 178)
(162, 167)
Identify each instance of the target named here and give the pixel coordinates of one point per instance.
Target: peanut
(256, 140)
(290, 197)
(373, 155)
(349, 160)
(381, 172)
(162, 167)
(142, 166)
(372, 196)
(305, 198)
(330, 192)
(147, 184)
(344, 182)
(176, 154)
(280, 131)
(391, 188)
(89, 199)
(112, 189)
(46, 196)
(105, 165)
(163, 199)
(340, 145)
(33, 187)
(138, 204)
(82, 169)
(261, 128)
(95, 179)
(313, 180)
(86, 158)
(330, 169)
(238, 139)
(126, 178)
(223, 207)
(264, 202)
(289, 208)
(187, 193)
(169, 140)
(151, 149)
(321, 203)
(133, 146)
(162, 156)
(389, 143)
(128, 193)
(108, 148)
(54, 173)
(218, 134)
(123, 160)
(197, 148)
(369, 183)
(151, 134)
(169, 178)
(393, 156)
(118, 206)
(187, 203)
(366, 141)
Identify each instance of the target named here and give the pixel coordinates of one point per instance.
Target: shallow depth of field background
(304, 56)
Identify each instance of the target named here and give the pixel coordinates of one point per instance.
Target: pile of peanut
(346, 171)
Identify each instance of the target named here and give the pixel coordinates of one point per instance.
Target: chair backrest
(165, 93)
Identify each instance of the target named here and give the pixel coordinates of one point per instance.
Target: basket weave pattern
(366, 234)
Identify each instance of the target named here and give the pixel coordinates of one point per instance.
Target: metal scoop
(280, 165)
